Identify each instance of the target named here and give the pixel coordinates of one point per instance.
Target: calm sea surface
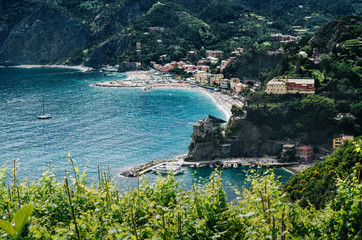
(113, 127)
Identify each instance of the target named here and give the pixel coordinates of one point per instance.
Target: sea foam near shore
(28, 66)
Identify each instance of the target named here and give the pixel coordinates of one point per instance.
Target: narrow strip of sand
(219, 99)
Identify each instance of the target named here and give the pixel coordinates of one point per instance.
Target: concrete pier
(143, 168)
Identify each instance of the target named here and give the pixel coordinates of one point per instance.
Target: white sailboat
(44, 115)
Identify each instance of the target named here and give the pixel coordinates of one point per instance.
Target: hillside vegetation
(334, 63)
(317, 184)
(113, 27)
(73, 209)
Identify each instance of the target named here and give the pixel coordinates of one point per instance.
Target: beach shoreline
(142, 78)
(29, 66)
(298, 168)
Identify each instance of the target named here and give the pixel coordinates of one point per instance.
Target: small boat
(168, 169)
(226, 166)
(44, 115)
(147, 88)
(235, 165)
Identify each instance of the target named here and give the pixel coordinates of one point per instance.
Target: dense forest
(72, 208)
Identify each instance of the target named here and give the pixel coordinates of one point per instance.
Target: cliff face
(118, 43)
(44, 36)
(247, 140)
(250, 140)
(203, 151)
(252, 64)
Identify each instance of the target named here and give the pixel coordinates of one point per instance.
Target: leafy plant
(20, 219)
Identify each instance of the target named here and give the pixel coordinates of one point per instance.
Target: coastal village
(227, 92)
(105, 104)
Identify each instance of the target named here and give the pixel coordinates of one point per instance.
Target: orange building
(305, 153)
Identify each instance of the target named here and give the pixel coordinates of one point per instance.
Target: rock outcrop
(48, 36)
(251, 64)
(44, 36)
(116, 45)
(203, 151)
(247, 140)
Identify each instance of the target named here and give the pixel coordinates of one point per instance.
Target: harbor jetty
(144, 168)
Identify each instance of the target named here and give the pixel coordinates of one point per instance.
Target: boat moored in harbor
(168, 169)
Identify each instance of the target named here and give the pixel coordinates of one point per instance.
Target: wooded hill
(108, 30)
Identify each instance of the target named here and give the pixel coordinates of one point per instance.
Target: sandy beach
(298, 168)
(146, 79)
(81, 68)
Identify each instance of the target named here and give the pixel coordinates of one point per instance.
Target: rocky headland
(246, 139)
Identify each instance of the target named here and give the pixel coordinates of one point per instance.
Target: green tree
(317, 112)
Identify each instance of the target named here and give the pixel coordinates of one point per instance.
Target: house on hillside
(305, 153)
(283, 38)
(290, 86)
(234, 82)
(338, 141)
(214, 54)
(203, 68)
(239, 87)
(276, 86)
(203, 127)
(339, 116)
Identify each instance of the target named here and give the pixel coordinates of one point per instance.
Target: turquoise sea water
(115, 127)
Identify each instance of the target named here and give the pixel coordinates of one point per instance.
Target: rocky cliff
(246, 139)
(44, 36)
(249, 140)
(117, 43)
(252, 63)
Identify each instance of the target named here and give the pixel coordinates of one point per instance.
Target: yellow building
(216, 79)
(290, 86)
(276, 86)
(340, 140)
(198, 76)
(234, 82)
